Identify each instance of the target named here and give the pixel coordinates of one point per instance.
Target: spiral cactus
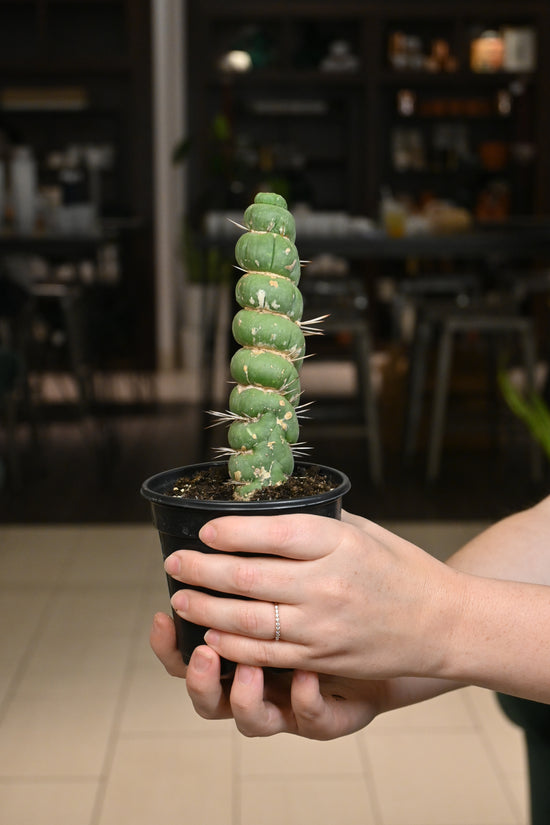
(267, 328)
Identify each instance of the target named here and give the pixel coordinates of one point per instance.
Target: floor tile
(35, 556)
(87, 705)
(446, 711)
(112, 556)
(92, 613)
(42, 737)
(47, 803)
(322, 801)
(436, 778)
(21, 615)
(176, 779)
(288, 755)
(157, 703)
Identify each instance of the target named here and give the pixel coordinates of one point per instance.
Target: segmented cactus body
(272, 345)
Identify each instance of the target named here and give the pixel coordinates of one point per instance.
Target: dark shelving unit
(326, 136)
(101, 48)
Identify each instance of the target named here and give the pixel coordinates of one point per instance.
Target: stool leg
(417, 378)
(440, 402)
(75, 323)
(368, 403)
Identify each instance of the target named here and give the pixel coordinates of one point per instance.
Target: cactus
(264, 424)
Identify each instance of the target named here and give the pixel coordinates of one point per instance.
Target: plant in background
(531, 409)
(264, 428)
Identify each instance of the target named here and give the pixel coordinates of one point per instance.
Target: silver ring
(277, 623)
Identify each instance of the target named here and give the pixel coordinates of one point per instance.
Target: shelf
(53, 66)
(102, 49)
(454, 79)
(493, 106)
(287, 77)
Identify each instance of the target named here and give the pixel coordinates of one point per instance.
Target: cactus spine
(267, 328)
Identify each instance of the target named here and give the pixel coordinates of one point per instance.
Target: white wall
(168, 47)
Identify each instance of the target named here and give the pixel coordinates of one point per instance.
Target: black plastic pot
(178, 521)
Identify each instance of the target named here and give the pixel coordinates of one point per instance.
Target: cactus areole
(262, 405)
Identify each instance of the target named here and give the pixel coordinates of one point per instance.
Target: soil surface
(213, 484)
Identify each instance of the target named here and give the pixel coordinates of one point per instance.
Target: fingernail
(245, 674)
(300, 676)
(207, 533)
(157, 621)
(180, 601)
(212, 637)
(201, 660)
(172, 565)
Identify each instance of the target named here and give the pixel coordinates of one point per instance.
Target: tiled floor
(93, 732)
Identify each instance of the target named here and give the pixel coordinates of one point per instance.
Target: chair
(426, 297)
(442, 324)
(346, 301)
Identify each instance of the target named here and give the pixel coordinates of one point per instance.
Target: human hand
(354, 599)
(263, 704)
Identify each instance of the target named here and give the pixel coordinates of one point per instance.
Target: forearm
(516, 548)
(503, 638)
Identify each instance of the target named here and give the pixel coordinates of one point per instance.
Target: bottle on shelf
(23, 189)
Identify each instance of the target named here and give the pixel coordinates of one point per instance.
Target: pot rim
(152, 490)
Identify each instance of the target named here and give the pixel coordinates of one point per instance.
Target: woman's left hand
(354, 600)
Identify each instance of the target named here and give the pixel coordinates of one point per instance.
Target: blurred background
(409, 141)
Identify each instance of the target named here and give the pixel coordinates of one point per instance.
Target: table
(523, 238)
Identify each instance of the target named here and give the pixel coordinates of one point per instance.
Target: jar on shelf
(487, 52)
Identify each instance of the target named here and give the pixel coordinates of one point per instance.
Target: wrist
(447, 627)
(496, 637)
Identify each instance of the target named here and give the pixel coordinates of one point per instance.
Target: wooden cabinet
(77, 73)
(329, 103)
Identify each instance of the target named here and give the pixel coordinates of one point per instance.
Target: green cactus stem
(266, 368)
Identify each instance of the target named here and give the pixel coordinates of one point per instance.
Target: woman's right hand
(263, 703)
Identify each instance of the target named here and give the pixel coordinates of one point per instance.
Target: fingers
(313, 719)
(328, 707)
(258, 652)
(244, 617)
(163, 641)
(288, 537)
(260, 578)
(254, 715)
(207, 692)
(292, 536)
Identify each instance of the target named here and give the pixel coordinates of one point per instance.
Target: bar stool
(412, 294)
(444, 323)
(346, 300)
